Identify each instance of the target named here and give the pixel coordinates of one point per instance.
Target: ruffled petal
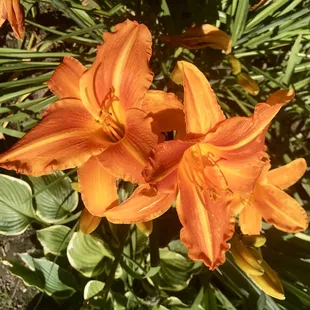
(286, 176)
(202, 111)
(88, 222)
(208, 221)
(238, 144)
(64, 82)
(200, 37)
(146, 203)
(281, 96)
(280, 209)
(165, 109)
(97, 187)
(120, 71)
(250, 219)
(164, 159)
(66, 137)
(127, 158)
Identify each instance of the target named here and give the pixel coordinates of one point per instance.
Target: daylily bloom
(271, 203)
(200, 37)
(105, 122)
(13, 11)
(216, 158)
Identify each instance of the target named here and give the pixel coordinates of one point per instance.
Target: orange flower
(270, 202)
(216, 158)
(200, 37)
(103, 122)
(13, 11)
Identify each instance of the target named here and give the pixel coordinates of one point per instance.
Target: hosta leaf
(45, 275)
(54, 239)
(92, 292)
(15, 205)
(88, 254)
(54, 202)
(92, 288)
(175, 271)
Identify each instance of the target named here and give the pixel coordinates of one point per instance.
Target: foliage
(117, 267)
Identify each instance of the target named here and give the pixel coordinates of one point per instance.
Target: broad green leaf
(56, 202)
(54, 239)
(92, 288)
(92, 293)
(175, 271)
(174, 303)
(45, 275)
(15, 205)
(88, 254)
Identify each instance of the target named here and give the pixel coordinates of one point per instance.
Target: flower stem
(117, 257)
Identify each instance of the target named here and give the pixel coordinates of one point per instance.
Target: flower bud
(247, 83)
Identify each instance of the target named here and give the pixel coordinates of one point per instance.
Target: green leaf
(223, 299)
(56, 202)
(292, 61)
(54, 239)
(16, 205)
(92, 292)
(267, 12)
(240, 20)
(175, 271)
(92, 288)
(302, 296)
(88, 254)
(47, 276)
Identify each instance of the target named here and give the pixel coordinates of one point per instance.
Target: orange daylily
(216, 158)
(13, 11)
(105, 122)
(200, 37)
(271, 203)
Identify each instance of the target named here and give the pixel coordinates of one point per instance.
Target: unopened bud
(247, 83)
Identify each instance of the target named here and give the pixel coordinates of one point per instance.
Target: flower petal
(15, 16)
(98, 187)
(200, 37)
(165, 109)
(146, 203)
(286, 176)
(202, 111)
(207, 219)
(164, 159)
(145, 227)
(250, 219)
(127, 158)
(66, 137)
(120, 68)
(280, 209)
(64, 82)
(88, 222)
(281, 96)
(238, 145)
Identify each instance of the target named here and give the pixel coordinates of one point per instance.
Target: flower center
(110, 118)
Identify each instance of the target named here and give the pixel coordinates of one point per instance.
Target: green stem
(118, 255)
(154, 249)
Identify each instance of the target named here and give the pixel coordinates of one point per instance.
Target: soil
(13, 293)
